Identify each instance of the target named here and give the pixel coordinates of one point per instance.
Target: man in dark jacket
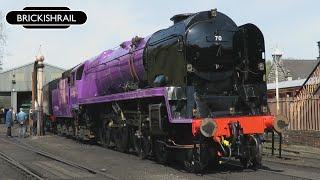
(9, 121)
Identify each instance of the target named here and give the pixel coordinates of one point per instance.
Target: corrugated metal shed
(22, 76)
(15, 84)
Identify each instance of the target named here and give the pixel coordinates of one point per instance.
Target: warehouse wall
(5, 99)
(22, 77)
(17, 80)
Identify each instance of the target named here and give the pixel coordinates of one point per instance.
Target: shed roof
(30, 63)
(286, 84)
(299, 69)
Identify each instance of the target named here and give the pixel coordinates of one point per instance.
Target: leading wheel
(252, 154)
(256, 152)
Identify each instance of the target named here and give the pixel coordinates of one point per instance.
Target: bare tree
(2, 40)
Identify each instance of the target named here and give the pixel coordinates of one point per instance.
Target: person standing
(22, 118)
(9, 121)
(2, 115)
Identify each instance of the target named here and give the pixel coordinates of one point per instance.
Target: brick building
(292, 69)
(292, 73)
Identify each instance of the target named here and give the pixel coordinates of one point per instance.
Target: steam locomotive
(195, 91)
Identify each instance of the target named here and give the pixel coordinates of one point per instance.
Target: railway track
(233, 166)
(298, 156)
(25, 171)
(49, 156)
(220, 173)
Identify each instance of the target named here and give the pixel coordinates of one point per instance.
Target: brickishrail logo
(46, 17)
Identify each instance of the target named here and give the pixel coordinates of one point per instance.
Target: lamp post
(13, 92)
(276, 55)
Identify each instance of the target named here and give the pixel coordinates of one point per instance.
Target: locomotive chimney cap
(179, 17)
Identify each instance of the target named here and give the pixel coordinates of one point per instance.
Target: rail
(56, 158)
(23, 168)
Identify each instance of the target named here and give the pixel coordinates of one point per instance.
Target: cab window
(79, 72)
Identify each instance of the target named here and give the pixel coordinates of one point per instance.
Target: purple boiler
(104, 74)
(112, 69)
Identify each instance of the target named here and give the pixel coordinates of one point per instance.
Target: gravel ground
(9, 172)
(127, 166)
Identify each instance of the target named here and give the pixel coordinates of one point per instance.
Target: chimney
(319, 50)
(289, 77)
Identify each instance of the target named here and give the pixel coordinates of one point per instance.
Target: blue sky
(291, 25)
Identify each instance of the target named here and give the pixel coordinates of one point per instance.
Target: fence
(302, 114)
